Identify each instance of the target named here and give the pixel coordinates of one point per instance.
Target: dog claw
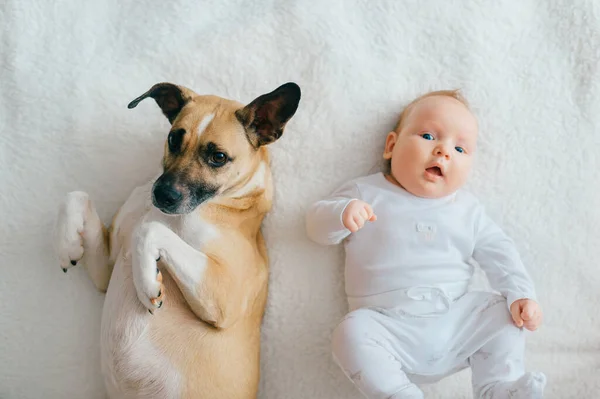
(154, 302)
(151, 312)
(160, 304)
(158, 259)
(64, 269)
(74, 262)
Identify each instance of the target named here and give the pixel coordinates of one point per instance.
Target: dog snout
(167, 197)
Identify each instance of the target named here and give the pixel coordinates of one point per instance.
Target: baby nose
(442, 152)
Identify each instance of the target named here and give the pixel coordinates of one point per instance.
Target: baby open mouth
(435, 170)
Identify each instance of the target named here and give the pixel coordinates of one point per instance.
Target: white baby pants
(386, 351)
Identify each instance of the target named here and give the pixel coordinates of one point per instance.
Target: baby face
(432, 154)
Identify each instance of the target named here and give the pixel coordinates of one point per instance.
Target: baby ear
(264, 118)
(390, 142)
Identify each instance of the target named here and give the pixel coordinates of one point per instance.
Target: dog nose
(167, 196)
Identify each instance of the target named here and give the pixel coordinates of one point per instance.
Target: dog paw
(147, 278)
(69, 229)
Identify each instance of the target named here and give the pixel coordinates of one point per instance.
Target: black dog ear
(264, 118)
(169, 97)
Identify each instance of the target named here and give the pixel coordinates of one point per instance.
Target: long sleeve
(324, 218)
(498, 257)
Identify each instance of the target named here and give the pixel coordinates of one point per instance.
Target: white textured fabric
(417, 246)
(530, 69)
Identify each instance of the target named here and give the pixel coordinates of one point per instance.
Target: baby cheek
(408, 155)
(404, 164)
(461, 172)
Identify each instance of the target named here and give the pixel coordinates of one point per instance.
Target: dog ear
(169, 97)
(264, 118)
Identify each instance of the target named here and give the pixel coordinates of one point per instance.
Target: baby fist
(356, 214)
(526, 313)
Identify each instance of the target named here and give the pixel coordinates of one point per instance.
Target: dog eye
(174, 140)
(217, 159)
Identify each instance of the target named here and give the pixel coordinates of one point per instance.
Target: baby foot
(529, 386)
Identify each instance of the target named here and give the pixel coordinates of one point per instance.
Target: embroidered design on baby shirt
(426, 230)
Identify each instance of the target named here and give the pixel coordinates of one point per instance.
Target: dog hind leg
(81, 237)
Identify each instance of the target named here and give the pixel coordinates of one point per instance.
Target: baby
(409, 234)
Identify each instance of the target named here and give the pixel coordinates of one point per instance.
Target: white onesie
(407, 275)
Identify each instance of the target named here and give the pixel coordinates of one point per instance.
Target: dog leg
(81, 237)
(215, 296)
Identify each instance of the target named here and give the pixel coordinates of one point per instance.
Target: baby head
(430, 152)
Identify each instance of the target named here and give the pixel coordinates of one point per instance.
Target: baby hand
(356, 214)
(526, 313)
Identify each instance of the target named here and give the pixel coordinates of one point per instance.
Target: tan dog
(190, 244)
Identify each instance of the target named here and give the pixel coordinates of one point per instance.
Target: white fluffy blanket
(68, 68)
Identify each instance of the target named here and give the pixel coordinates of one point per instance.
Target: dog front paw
(69, 229)
(147, 278)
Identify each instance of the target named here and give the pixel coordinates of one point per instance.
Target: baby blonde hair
(456, 94)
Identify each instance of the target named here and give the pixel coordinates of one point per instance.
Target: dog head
(214, 144)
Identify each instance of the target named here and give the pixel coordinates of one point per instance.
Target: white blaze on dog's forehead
(204, 123)
(256, 182)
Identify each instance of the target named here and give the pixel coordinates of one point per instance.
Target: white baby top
(418, 248)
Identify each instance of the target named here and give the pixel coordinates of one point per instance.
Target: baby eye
(427, 136)
(459, 149)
